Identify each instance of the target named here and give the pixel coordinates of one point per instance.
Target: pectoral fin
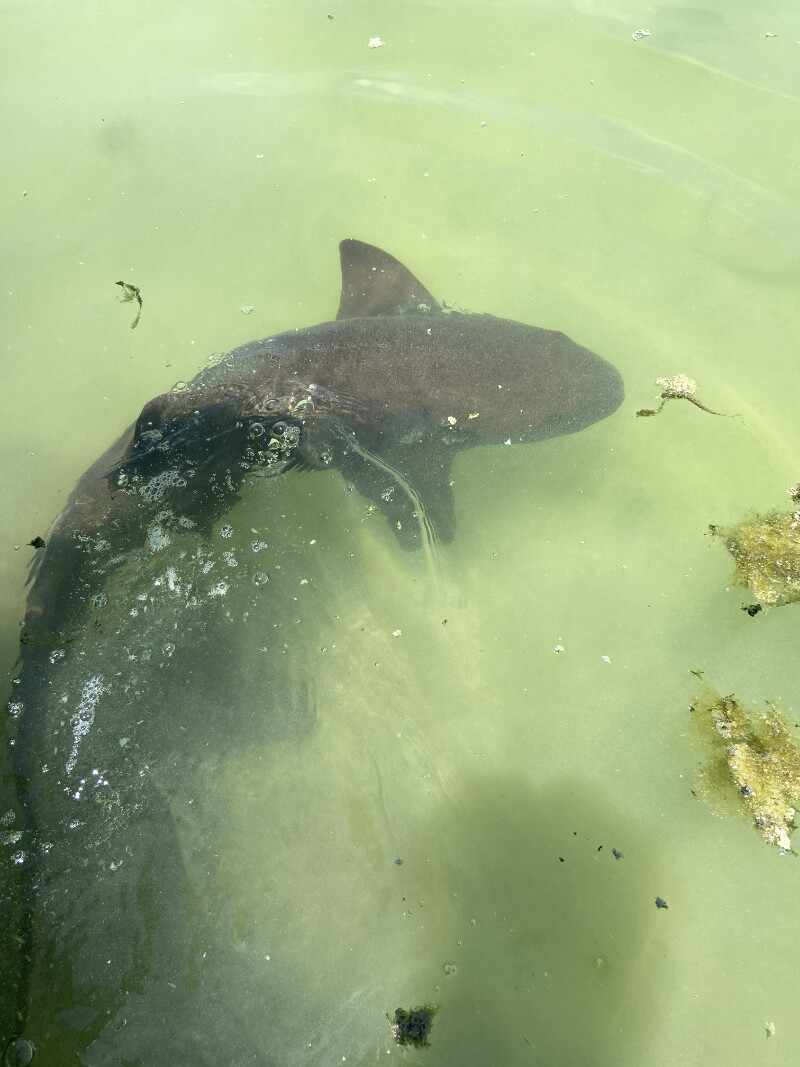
(412, 489)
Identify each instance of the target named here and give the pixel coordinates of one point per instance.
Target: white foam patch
(84, 715)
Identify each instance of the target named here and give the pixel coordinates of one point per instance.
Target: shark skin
(386, 393)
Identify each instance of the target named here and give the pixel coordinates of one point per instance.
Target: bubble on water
(10, 837)
(18, 858)
(179, 387)
(57, 654)
(157, 538)
(259, 578)
(449, 968)
(20, 1053)
(15, 708)
(220, 589)
(99, 600)
(7, 819)
(230, 559)
(258, 546)
(226, 531)
(168, 649)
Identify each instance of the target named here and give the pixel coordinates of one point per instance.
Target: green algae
(766, 551)
(754, 763)
(130, 293)
(679, 387)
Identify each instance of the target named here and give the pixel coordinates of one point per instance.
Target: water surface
(526, 159)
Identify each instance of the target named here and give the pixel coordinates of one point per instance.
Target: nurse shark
(127, 681)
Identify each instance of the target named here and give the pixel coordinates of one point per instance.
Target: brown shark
(386, 393)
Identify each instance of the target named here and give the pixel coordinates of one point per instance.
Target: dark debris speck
(661, 903)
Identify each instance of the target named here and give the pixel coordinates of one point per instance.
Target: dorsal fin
(375, 283)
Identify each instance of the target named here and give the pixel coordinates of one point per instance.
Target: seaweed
(412, 1027)
(766, 551)
(129, 293)
(680, 387)
(754, 762)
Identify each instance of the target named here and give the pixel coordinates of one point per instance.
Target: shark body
(386, 393)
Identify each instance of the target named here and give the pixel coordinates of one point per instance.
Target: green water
(533, 161)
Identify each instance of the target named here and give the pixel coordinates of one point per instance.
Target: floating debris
(766, 551)
(752, 609)
(247, 309)
(639, 34)
(375, 42)
(615, 852)
(412, 1027)
(661, 903)
(755, 762)
(680, 387)
(37, 542)
(129, 293)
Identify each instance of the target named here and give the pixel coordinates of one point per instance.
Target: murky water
(269, 753)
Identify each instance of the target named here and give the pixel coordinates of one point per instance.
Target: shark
(116, 709)
(386, 393)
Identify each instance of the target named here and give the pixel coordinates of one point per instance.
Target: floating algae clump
(679, 387)
(766, 551)
(412, 1027)
(756, 759)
